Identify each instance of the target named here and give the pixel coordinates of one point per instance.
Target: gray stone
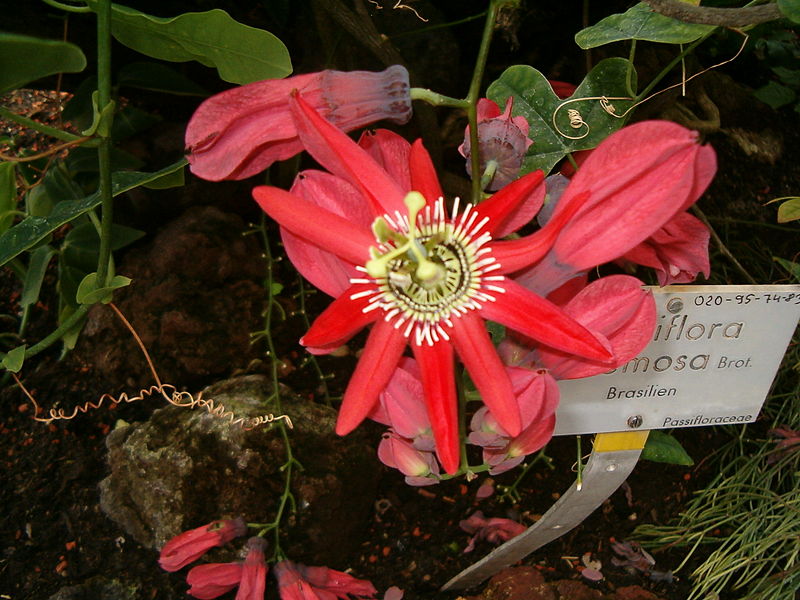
(184, 468)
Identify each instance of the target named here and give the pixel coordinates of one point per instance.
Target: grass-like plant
(750, 511)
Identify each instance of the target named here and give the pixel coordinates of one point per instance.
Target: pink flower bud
(502, 139)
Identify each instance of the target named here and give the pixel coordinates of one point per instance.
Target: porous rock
(184, 468)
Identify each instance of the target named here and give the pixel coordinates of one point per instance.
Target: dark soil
(52, 532)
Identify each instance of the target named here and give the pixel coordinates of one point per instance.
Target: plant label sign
(714, 353)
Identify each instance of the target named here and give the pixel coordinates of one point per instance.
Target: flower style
(502, 141)
(242, 131)
(191, 545)
(427, 277)
(299, 582)
(495, 530)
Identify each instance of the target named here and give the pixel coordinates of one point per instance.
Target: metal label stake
(613, 457)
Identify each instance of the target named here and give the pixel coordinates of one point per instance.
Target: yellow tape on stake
(620, 440)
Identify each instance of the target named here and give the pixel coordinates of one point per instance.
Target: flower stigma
(427, 269)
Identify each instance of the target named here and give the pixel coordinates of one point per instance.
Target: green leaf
(535, 100)
(775, 94)
(275, 288)
(8, 194)
(662, 447)
(89, 293)
(37, 267)
(85, 237)
(790, 9)
(158, 77)
(640, 22)
(31, 230)
(24, 59)
(789, 211)
(241, 54)
(14, 359)
(792, 267)
(38, 202)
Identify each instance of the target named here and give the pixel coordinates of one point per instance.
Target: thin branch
(721, 17)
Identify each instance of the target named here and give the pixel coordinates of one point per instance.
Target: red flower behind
(242, 131)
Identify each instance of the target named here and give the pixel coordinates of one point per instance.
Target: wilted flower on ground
(242, 131)
(503, 141)
(494, 530)
(191, 545)
(299, 582)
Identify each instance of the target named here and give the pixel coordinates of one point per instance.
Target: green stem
(474, 94)
(31, 124)
(435, 99)
(488, 174)
(311, 358)
(104, 150)
(631, 70)
(286, 497)
(643, 94)
(68, 7)
(62, 330)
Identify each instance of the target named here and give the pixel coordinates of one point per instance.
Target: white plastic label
(714, 354)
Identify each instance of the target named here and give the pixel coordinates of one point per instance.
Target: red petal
(391, 152)
(423, 176)
(321, 227)
(639, 178)
(438, 382)
(335, 151)
(343, 318)
(486, 370)
(322, 268)
(615, 306)
(514, 255)
(514, 205)
(381, 354)
(540, 319)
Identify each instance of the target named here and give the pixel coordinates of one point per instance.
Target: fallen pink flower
(502, 141)
(211, 580)
(191, 545)
(299, 582)
(495, 530)
(427, 279)
(242, 131)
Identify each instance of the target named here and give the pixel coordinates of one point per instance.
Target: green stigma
(427, 272)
